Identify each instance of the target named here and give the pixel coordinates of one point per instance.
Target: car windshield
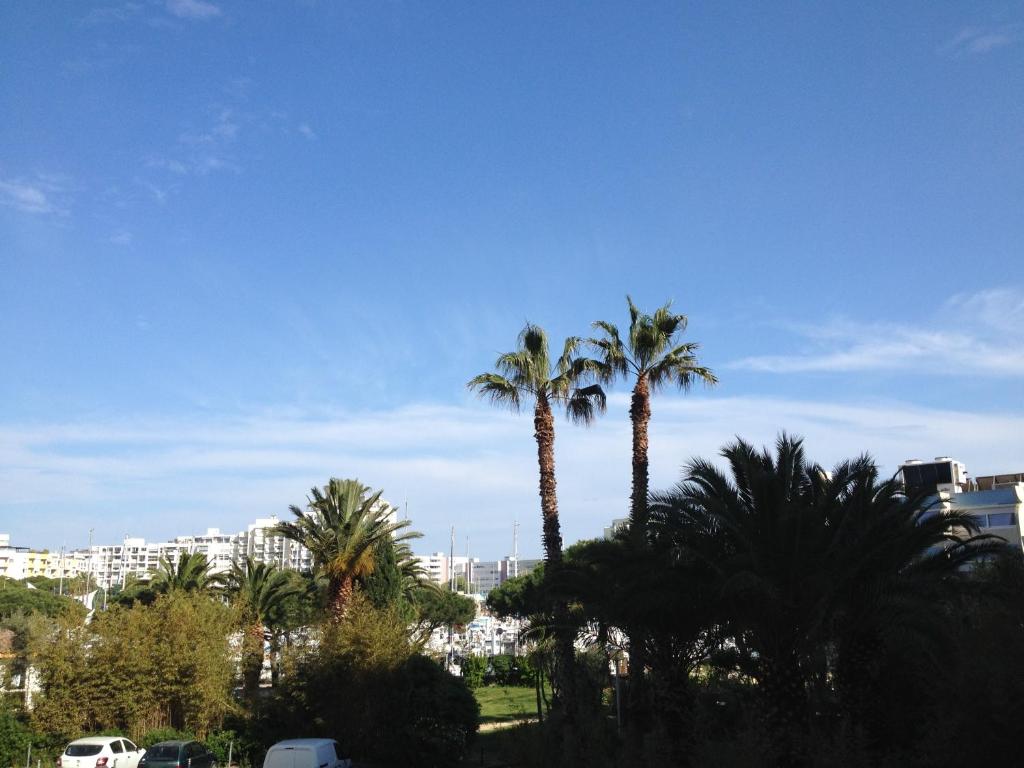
(83, 750)
(162, 752)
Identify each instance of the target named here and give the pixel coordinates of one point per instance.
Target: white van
(305, 753)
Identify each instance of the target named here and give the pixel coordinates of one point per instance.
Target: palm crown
(651, 356)
(261, 587)
(797, 556)
(341, 527)
(528, 372)
(650, 351)
(191, 573)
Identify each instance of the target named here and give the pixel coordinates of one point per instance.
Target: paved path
(503, 724)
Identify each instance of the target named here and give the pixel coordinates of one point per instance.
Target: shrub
(506, 669)
(437, 713)
(502, 668)
(222, 742)
(360, 684)
(14, 737)
(474, 668)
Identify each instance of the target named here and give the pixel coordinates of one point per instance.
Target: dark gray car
(178, 754)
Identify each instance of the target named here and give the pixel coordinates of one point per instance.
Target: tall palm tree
(652, 358)
(801, 558)
(192, 572)
(528, 374)
(260, 590)
(341, 527)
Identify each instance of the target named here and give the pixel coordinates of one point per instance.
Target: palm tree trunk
(275, 659)
(565, 652)
(785, 706)
(544, 432)
(857, 671)
(640, 416)
(341, 595)
(252, 659)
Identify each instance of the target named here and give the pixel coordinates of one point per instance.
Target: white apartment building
(481, 576)
(24, 563)
(257, 542)
(110, 565)
(996, 502)
(440, 568)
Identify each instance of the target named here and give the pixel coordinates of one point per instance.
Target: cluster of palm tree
(810, 585)
(802, 589)
(651, 357)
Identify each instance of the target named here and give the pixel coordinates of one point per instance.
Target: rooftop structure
(996, 502)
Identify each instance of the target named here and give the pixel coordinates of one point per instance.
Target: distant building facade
(110, 565)
(996, 502)
(481, 575)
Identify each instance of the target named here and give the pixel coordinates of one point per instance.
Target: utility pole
(515, 548)
(60, 588)
(88, 571)
(451, 587)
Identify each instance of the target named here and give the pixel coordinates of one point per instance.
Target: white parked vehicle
(101, 752)
(305, 753)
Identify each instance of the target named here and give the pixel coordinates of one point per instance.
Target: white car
(101, 752)
(305, 753)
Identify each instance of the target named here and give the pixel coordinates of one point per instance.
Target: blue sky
(247, 246)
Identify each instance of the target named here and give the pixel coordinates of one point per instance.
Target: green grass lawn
(517, 745)
(501, 704)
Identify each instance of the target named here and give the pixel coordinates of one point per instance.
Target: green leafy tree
(15, 735)
(520, 597)
(16, 597)
(136, 669)
(260, 591)
(440, 607)
(342, 526)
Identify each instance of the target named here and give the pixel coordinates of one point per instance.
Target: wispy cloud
(306, 131)
(981, 40)
(159, 192)
(203, 151)
(223, 129)
(192, 9)
(111, 13)
(39, 195)
(974, 334)
(466, 465)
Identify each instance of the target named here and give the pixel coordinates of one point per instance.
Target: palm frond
(497, 389)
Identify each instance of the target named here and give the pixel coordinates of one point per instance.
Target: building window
(1001, 519)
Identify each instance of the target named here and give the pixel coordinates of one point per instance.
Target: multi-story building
(25, 563)
(996, 502)
(262, 545)
(110, 565)
(481, 576)
(618, 525)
